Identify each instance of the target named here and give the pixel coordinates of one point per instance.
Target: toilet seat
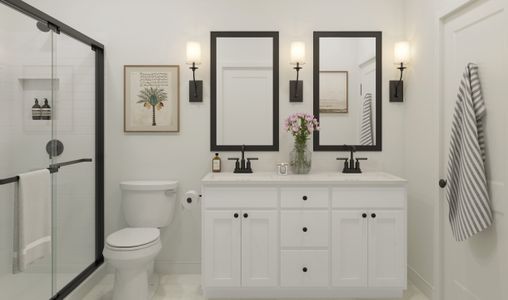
(130, 239)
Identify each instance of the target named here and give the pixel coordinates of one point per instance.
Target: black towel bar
(53, 168)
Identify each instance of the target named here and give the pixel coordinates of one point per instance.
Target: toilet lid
(132, 237)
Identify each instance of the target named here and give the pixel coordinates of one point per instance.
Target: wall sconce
(297, 58)
(194, 59)
(401, 53)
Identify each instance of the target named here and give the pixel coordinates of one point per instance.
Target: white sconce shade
(297, 53)
(193, 53)
(402, 52)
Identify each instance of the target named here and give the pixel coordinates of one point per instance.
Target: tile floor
(187, 287)
(31, 286)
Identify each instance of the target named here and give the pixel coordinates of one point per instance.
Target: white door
(259, 248)
(349, 248)
(387, 257)
(222, 238)
(478, 33)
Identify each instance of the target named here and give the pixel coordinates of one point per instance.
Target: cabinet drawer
(301, 268)
(244, 197)
(368, 197)
(304, 197)
(304, 228)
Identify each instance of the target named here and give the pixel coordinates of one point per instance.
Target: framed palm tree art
(151, 98)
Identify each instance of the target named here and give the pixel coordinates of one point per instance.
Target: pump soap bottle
(216, 164)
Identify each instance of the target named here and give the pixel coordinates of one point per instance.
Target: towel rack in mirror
(53, 168)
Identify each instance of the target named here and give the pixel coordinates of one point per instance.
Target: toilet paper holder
(189, 199)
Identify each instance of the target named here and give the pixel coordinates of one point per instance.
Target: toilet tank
(148, 203)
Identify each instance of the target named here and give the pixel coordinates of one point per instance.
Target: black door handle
(235, 215)
(245, 215)
(304, 269)
(364, 215)
(304, 229)
(443, 183)
(373, 215)
(304, 198)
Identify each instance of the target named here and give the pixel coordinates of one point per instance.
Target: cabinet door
(259, 248)
(386, 249)
(222, 249)
(349, 248)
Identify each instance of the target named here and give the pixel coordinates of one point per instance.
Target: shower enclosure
(51, 116)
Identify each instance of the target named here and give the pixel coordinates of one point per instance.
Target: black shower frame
(98, 48)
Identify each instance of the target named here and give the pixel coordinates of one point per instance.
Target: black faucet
(350, 166)
(243, 165)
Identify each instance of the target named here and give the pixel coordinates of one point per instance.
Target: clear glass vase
(300, 159)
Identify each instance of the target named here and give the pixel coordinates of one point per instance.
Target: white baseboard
(177, 267)
(423, 285)
(86, 286)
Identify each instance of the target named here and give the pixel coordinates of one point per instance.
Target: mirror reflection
(346, 79)
(244, 74)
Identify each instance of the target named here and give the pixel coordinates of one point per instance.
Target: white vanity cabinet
(240, 241)
(372, 221)
(319, 235)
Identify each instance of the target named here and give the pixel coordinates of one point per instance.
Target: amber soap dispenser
(216, 164)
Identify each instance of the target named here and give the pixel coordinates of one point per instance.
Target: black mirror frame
(213, 89)
(379, 67)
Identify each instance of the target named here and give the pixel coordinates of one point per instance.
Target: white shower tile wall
(185, 156)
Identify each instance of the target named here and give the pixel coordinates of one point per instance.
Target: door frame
(442, 18)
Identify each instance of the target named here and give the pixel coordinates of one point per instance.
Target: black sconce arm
(401, 68)
(297, 68)
(194, 68)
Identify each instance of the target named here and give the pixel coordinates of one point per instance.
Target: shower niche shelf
(36, 82)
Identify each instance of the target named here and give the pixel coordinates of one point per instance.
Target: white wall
(421, 139)
(155, 32)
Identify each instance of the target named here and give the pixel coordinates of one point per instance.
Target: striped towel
(467, 193)
(366, 130)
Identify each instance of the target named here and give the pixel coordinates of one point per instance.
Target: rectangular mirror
(244, 91)
(347, 90)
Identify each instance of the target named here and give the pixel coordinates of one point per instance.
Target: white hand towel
(34, 217)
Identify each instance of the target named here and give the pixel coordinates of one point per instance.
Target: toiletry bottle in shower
(216, 163)
(46, 110)
(36, 110)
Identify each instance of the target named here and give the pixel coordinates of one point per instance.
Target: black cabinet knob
(373, 215)
(189, 200)
(245, 215)
(235, 215)
(364, 215)
(304, 269)
(304, 198)
(304, 229)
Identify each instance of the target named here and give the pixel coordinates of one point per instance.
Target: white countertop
(314, 178)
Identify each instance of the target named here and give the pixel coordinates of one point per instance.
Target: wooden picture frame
(151, 98)
(334, 92)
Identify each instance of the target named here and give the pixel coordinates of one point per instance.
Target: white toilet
(147, 206)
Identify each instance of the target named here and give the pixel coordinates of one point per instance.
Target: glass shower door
(74, 188)
(26, 91)
(51, 116)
